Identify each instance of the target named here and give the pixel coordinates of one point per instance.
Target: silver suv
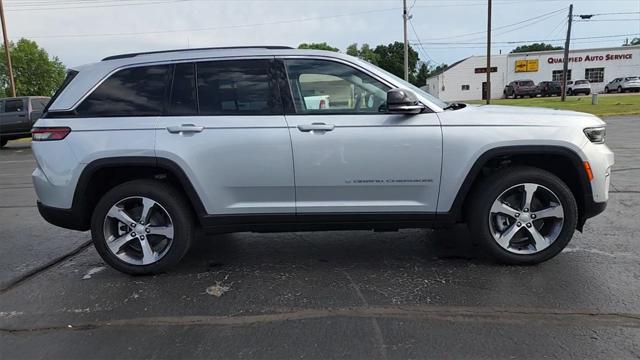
(144, 148)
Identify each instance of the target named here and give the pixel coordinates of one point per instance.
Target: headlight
(596, 134)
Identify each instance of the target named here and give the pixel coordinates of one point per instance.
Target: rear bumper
(66, 218)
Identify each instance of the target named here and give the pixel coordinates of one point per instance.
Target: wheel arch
(100, 175)
(561, 161)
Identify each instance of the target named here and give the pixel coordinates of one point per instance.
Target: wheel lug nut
(517, 214)
(148, 230)
(133, 225)
(526, 210)
(141, 237)
(133, 234)
(528, 225)
(519, 224)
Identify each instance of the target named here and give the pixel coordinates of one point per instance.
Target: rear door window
(38, 104)
(237, 87)
(138, 91)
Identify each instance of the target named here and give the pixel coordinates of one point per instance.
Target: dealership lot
(414, 293)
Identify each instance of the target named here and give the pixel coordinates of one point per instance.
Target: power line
(605, 20)
(420, 47)
(210, 28)
(500, 27)
(528, 41)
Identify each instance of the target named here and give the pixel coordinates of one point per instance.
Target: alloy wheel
(138, 230)
(526, 218)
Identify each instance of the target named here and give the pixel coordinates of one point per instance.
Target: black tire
(570, 92)
(165, 195)
(620, 89)
(606, 90)
(3, 142)
(489, 189)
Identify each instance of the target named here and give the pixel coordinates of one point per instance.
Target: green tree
(422, 75)
(535, 47)
(34, 71)
(365, 52)
(318, 46)
(391, 58)
(438, 69)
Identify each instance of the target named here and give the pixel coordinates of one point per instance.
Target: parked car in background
(145, 148)
(521, 88)
(549, 88)
(17, 116)
(629, 83)
(578, 87)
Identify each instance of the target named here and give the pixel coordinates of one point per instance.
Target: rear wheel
(606, 90)
(523, 215)
(620, 89)
(142, 227)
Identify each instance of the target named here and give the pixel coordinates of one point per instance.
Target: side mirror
(403, 101)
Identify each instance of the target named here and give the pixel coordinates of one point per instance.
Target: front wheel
(523, 215)
(142, 227)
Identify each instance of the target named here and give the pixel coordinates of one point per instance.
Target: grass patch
(608, 105)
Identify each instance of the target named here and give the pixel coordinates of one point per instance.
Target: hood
(519, 115)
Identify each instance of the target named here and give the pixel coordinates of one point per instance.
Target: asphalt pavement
(362, 295)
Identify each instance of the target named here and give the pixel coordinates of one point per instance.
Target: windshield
(417, 90)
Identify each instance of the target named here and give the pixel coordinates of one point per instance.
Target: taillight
(323, 104)
(49, 133)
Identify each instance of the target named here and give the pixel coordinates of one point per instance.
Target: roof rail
(124, 56)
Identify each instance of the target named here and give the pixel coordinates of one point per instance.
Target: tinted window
(13, 106)
(582, 82)
(38, 104)
(321, 86)
(183, 92)
(129, 92)
(239, 87)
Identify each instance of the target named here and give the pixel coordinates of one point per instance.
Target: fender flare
(456, 210)
(79, 204)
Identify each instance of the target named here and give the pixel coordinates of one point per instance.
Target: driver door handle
(185, 128)
(316, 126)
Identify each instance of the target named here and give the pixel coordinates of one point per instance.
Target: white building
(465, 79)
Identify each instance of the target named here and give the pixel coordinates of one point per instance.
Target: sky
(84, 31)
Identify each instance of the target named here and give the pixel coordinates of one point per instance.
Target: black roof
(124, 56)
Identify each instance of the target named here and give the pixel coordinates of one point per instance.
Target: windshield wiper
(455, 106)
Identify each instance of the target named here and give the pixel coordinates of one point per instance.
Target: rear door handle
(316, 126)
(185, 128)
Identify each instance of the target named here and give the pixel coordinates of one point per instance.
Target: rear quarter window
(138, 91)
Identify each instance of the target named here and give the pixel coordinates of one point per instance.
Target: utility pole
(405, 17)
(565, 61)
(12, 83)
(488, 90)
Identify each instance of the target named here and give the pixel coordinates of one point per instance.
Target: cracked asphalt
(362, 295)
